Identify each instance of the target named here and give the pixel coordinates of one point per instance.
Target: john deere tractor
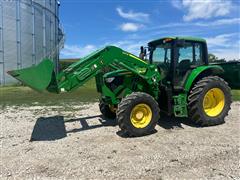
(174, 77)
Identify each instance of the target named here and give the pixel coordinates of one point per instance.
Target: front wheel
(107, 111)
(138, 114)
(209, 101)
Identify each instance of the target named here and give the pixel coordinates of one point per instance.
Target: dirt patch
(72, 141)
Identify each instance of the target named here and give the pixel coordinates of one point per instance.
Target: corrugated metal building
(29, 31)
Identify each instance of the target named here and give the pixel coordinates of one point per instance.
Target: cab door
(188, 55)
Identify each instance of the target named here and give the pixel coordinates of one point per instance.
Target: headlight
(109, 80)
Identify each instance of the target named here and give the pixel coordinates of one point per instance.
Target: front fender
(211, 69)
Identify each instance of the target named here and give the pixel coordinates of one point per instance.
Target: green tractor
(176, 78)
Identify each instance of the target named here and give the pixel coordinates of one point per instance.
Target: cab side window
(189, 56)
(190, 53)
(161, 55)
(198, 54)
(185, 53)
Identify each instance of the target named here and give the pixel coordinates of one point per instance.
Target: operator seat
(163, 69)
(183, 70)
(184, 66)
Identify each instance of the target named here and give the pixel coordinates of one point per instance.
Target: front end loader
(176, 79)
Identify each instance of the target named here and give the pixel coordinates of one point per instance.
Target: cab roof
(188, 38)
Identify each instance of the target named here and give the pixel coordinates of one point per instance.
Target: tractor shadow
(169, 122)
(166, 122)
(53, 128)
(48, 129)
(85, 125)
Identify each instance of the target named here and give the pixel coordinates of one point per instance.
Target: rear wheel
(209, 101)
(138, 114)
(107, 111)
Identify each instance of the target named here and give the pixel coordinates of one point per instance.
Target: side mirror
(143, 53)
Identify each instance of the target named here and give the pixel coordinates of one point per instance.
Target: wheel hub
(141, 115)
(214, 102)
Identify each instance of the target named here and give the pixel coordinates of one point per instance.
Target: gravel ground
(75, 142)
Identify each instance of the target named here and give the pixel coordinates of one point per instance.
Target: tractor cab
(176, 57)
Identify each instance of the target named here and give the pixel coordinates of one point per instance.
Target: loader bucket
(37, 77)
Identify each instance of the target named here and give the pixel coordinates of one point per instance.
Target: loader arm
(88, 67)
(80, 72)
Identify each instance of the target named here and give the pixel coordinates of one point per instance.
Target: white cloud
(203, 9)
(177, 4)
(224, 46)
(130, 27)
(223, 40)
(76, 51)
(220, 22)
(228, 54)
(129, 45)
(208, 24)
(136, 16)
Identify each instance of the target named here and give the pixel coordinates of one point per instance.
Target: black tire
(106, 111)
(196, 101)
(125, 108)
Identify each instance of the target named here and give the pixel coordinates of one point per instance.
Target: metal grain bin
(29, 32)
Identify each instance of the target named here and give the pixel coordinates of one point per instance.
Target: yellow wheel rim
(141, 115)
(213, 102)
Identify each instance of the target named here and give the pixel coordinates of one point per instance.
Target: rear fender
(200, 72)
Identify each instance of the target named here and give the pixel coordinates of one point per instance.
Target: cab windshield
(161, 54)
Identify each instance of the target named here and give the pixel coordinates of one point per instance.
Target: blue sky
(91, 24)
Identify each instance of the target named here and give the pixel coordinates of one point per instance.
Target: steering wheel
(163, 69)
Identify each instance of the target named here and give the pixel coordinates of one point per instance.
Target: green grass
(236, 95)
(16, 95)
